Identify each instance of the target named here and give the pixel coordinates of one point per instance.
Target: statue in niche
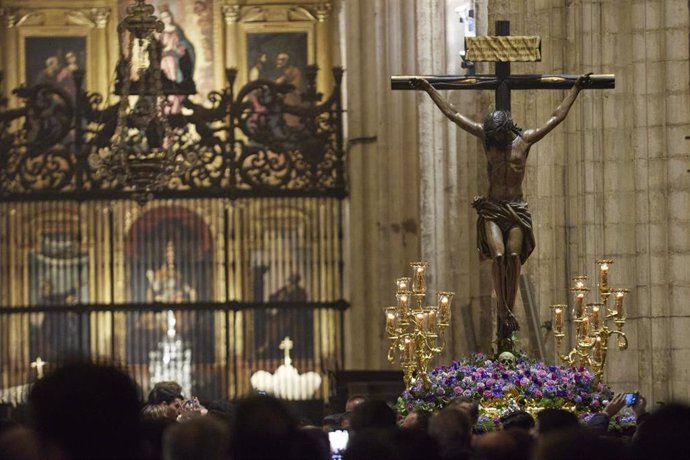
(276, 323)
(504, 225)
(291, 292)
(166, 284)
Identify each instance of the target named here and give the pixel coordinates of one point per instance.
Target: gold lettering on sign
(503, 49)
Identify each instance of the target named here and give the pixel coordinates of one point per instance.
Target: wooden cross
(503, 82)
(38, 364)
(286, 345)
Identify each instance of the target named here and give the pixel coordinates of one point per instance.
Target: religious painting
(54, 60)
(58, 277)
(281, 274)
(277, 56)
(187, 41)
(169, 260)
(281, 57)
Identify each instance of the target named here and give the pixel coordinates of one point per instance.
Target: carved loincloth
(506, 214)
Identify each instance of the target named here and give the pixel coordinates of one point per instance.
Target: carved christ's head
(500, 129)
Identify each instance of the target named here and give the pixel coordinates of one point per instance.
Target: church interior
(238, 186)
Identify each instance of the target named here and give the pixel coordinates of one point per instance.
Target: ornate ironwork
(258, 142)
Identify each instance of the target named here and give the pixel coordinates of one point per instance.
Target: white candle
(409, 349)
(619, 304)
(403, 303)
(579, 305)
(595, 317)
(598, 350)
(432, 320)
(584, 328)
(558, 312)
(391, 318)
(604, 275)
(418, 282)
(402, 285)
(421, 321)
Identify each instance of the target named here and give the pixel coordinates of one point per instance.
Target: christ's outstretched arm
(448, 109)
(530, 136)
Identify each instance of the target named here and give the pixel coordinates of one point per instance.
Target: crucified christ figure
(504, 225)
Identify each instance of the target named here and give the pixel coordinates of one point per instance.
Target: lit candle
(580, 305)
(595, 317)
(558, 312)
(391, 320)
(403, 303)
(580, 282)
(402, 285)
(598, 350)
(444, 301)
(584, 328)
(604, 275)
(409, 349)
(433, 319)
(421, 321)
(418, 282)
(619, 304)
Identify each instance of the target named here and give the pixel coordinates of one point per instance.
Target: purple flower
(482, 378)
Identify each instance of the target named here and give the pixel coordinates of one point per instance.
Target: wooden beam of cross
(503, 49)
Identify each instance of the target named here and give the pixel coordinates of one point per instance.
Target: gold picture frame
(297, 39)
(46, 42)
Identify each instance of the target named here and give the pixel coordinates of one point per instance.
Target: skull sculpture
(507, 358)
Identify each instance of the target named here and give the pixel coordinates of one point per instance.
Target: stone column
(451, 172)
(9, 54)
(377, 42)
(231, 16)
(324, 81)
(102, 58)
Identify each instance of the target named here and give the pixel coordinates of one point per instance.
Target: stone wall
(610, 181)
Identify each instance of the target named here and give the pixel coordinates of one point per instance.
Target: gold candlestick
(415, 329)
(592, 319)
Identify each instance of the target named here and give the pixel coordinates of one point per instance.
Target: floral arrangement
(504, 386)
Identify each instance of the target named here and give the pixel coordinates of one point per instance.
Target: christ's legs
(494, 237)
(513, 266)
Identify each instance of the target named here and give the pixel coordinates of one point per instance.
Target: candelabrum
(416, 331)
(592, 322)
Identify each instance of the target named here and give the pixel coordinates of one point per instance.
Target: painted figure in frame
(177, 55)
(58, 271)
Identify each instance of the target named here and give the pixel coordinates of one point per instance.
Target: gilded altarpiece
(226, 263)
